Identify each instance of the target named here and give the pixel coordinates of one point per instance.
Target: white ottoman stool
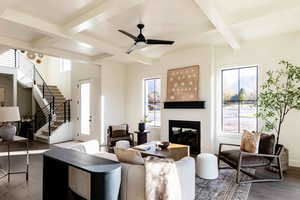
(122, 144)
(207, 166)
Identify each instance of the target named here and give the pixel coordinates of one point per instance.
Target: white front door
(85, 108)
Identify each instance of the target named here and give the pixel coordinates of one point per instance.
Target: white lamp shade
(9, 114)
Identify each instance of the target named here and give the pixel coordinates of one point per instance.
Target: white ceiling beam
(44, 42)
(84, 19)
(18, 44)
(210, 10)
(54, 31)
(101, 12)
(99, 58)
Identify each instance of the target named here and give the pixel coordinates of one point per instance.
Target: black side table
(141, 136)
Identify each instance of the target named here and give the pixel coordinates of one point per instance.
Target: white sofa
(133, 176)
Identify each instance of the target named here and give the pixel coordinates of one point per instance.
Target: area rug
(223, 188)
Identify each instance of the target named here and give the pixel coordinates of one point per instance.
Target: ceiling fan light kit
(140, 40)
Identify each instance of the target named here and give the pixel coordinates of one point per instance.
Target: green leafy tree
(280, 93)
(242, 94)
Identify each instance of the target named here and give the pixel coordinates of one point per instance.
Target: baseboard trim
(294, 163)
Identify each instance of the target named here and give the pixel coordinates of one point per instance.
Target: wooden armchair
(240, 160)
(118, 132)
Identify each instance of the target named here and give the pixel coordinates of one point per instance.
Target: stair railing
(45, 115)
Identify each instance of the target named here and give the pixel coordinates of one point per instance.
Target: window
(152, 101)
(7, 59)
(65, 65)
(239, 96)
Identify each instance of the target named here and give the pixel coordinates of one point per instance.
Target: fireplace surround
(187, 133)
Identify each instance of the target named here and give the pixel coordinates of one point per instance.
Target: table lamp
(8, 115)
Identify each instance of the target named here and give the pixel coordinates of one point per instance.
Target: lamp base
(7, 132)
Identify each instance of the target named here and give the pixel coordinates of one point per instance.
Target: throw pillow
(266, 144)
(129, 156)
(250, 141)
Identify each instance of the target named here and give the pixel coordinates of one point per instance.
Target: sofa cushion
(129, 156)
(89, 147)
(133, 180)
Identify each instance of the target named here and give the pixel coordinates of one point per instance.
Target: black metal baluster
(65, 112)
(69, 110)
(50, 119)
(53, 101)
(43, 90)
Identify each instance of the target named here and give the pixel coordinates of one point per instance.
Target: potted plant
(280, 93)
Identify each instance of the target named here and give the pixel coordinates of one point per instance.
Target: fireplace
(187, 133)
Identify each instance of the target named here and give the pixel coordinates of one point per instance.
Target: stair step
(42, 138)
(45, 133)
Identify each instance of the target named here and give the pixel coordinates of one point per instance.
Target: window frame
(239, 102)
(145, 101)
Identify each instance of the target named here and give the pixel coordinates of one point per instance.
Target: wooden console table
(105, 174)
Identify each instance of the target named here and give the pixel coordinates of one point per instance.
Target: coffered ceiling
(87, 30)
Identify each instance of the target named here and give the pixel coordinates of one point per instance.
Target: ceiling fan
(140, 40)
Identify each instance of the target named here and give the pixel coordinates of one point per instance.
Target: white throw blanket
(162, 181)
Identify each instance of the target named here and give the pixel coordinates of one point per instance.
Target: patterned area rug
(223, 188)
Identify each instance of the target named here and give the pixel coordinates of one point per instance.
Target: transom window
(152, 105)
(239, 97)
(65, 65)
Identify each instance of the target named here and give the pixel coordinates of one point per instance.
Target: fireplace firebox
(187, 133)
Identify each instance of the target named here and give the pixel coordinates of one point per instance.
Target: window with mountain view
(152, 101)
(239, 96)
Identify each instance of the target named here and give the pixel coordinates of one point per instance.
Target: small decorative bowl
(164, 145)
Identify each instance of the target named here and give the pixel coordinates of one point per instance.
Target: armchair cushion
(250, 141)
(232, 156)
(266, 144)
(119, 131)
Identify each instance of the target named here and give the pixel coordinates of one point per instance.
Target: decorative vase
(142, 126)
(7, 132)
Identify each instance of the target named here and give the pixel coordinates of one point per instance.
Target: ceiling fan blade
(128, 34)
(131, 49)
(168, 42)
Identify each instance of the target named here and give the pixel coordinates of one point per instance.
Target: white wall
(266, 53)
(61, 79)
(134, 106)
(113, 87)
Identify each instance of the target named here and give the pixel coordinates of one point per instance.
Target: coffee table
(174, 151)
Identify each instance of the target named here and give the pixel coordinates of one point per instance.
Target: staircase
(52, 116)
(52, 121)
(60, 105)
